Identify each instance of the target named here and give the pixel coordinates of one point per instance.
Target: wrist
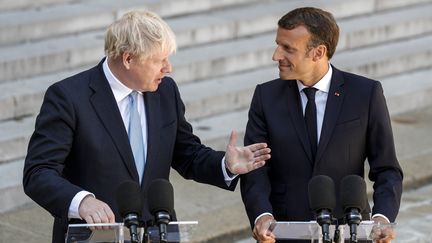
(230, 174)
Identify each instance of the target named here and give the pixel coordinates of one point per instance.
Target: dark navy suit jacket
(356, 127)
(80, 143)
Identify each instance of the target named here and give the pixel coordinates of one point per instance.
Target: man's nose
(167, 68)
(276, 55)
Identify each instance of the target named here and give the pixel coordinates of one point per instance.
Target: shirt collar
(323, 84)
(119, 90)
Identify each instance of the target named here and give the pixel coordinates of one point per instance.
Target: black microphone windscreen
(353, 192)
(160, 196)
(129, 198)
(321, 193)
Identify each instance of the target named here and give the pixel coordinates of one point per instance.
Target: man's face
(146, 74)
(295, 62)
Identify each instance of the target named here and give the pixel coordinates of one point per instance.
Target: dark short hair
(320, 24)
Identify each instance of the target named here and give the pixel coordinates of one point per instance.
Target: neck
(316, 75)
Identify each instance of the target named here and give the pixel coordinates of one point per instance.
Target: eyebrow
(286, 46)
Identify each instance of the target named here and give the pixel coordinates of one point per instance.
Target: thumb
(233, 138)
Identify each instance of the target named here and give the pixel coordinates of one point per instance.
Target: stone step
(14, 137)
(44, 23)
(53, 55)
(7, 5)
(11, 186)
(73, 16)
(24, 97)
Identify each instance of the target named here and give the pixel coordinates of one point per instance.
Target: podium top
(312, 230)
(117, 232)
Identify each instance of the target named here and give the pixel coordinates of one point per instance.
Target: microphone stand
(324, 219)
(163, 219)
(353, 219)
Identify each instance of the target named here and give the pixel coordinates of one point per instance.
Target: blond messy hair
(139, 33)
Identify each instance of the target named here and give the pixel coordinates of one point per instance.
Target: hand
(383, 233)
(241, 160)
(94, 211)
(261, 231)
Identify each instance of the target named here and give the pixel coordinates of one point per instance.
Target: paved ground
(221, 214)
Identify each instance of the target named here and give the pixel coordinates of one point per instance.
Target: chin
(286, 76)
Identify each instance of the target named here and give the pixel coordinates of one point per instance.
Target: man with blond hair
(121, 120)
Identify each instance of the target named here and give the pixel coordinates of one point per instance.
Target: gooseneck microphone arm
(324, 219)
(131, 221)
(163, 219)
(353, 219)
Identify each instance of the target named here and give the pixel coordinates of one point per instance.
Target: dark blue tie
(311, 119)
(135, 134)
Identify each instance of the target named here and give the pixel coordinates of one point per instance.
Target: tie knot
(133, 96)
(310, 93)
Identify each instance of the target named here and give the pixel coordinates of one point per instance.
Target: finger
(258, 164)
(256, 146)
(262, 158)
(233, 138)
(110, 214)
(96, 219)
(262, 151)
(89, 220)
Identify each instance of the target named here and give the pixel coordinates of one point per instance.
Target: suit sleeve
(48, 148)
(255, 186)
(192, 159)
(385, 170)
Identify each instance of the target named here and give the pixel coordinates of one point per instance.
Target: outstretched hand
(241, 160)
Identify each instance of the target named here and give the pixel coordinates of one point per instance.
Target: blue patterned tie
(135, 134)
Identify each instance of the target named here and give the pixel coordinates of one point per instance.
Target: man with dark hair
(318, 120)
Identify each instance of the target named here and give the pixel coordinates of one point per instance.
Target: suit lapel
(334, 103)
(297, 118)
(152, 104)
(106, 108)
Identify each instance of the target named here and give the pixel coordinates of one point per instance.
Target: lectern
(113, 233)
(312, 231)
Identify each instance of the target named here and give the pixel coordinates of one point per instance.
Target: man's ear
(320, 52)
(126, 59)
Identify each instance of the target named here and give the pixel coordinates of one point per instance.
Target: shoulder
(354, 79)
(357, 83)
(80, 80)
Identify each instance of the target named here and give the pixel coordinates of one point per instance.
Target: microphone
(130, 206)
(353, 200)
(322, 201)
(161, 204)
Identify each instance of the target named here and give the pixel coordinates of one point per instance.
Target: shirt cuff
(380, 215)
(76, 202)
(259, 216)
(228, 178)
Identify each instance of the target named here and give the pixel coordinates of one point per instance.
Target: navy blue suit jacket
(80, 143)
(356, 127)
